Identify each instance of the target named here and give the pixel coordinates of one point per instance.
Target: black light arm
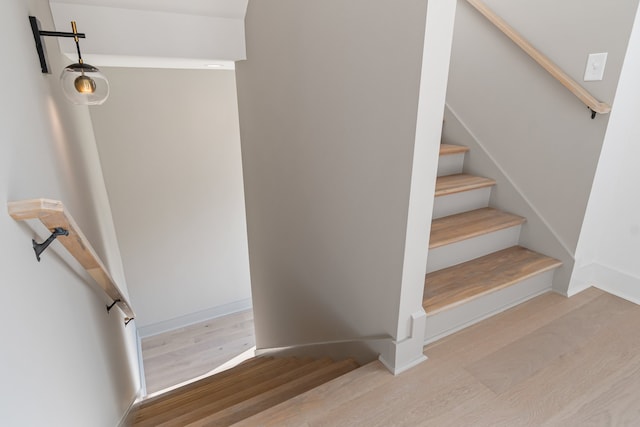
(38, 34)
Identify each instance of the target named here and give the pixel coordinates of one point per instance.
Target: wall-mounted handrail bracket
(40, 247)
(593, 113)
(56, 218)
(127, 320)
(109, 307)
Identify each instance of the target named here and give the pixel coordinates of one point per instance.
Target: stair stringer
(536, 234)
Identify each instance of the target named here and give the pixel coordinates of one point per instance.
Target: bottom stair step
(276, 395)
(460, 283)
(240, 392)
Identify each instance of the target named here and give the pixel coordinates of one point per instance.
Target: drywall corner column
(328, 102)
(433, 87)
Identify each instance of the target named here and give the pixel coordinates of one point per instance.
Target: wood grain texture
(53, 214)
(574, 87)
(592, 379)
(448, 149)
(451, 184)
(154, 408)
(276, 395)
(454, 228)
(534, 315)
(186, 408)
(455, 285)
(240, 392)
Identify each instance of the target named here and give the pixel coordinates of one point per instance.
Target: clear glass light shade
(84, 84)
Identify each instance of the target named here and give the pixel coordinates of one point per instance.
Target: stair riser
(466, 250)
(449, 321)
(450, 164)
(461, 202)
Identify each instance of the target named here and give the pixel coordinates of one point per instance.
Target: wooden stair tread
(205, 408)
(182, 401)
(460, 182)
(204, 383)
(462, 226)
(447, 149)
(277, 395)
(455, 285)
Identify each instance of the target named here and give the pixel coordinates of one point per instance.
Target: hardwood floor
(186, 353)
(551, 361)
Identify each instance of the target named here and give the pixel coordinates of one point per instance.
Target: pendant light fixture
(82, 83)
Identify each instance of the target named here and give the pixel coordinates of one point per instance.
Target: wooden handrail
(53, 215)
(581, 93)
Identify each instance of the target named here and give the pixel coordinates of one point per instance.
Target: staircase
(475, 266)
(238, 393)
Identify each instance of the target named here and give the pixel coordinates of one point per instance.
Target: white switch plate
(595, 66)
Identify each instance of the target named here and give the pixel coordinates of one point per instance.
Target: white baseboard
(127, 417)
(398, 370)
(608, 279)
(615, 282)
(192, 318)
(400, 356)
(143, 381)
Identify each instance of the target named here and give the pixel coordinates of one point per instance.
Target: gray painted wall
(328, 103)
(537, 133)
(64, 360)
(169, 145)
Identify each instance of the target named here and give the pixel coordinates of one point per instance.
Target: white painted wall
(329, 104)
(609, 246)
(64, 360)
(538, 135)
(161, 34)
(432, 94)
(170, 149)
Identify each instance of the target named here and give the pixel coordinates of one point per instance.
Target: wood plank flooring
(552, 361)
(186, 353)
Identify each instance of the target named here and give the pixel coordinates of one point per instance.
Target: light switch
(595, 66)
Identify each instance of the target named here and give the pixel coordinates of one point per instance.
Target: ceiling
(232, 9)
(155, 33)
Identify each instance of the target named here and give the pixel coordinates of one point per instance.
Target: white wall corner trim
(582, 278)
(402, 355)
(197, 317)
